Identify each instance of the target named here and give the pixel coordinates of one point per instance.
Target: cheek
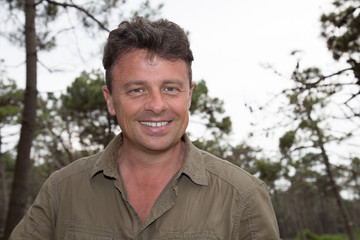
(182, 108)
(127, 109)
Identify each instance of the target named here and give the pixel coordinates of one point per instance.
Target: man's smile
(155, 124)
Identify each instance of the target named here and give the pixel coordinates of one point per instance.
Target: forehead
(137, 55)
(142, 64)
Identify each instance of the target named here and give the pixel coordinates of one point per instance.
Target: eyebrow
(132, 83)
(141, 82)
(173, 81)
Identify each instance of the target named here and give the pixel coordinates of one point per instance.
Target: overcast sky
(232, 41)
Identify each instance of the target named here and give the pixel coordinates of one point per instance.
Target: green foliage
(74, 124)
(287, 141)
(53, 141)
(319, 144)
(249, 159)
(353, 179)
(308, 235)
(341, 28)
(212, 146)
(209, 110)
(86, 108)
(244, 156)
(9, 161)
(85, 93)
(355, 162)
(269, 171)
(210, 113)
(10, 102)
(302, 145)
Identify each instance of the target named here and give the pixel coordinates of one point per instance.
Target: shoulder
(230, 175)
(80, 168)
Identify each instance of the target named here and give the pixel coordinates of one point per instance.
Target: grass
(311, 236)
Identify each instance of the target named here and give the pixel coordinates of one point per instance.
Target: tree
(312, 132)
(341, 90)
(321, 135)
(75, 123)
(86, 108)
(354, 176)
(340, 28)
(208, 112)
(10, 109)
(40, 36)
(252, 160)
(53, 143)
(19, 190)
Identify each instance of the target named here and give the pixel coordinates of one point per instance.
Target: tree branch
(83, 10)
(334, 74)
(47, 68)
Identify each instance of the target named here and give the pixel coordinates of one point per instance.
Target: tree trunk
(4, 191)
(19, 193)
(348, 224)
(299, 221)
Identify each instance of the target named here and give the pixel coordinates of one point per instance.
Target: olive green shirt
(208, 198)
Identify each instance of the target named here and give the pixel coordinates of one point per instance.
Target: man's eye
(137, 90)
(170, 89)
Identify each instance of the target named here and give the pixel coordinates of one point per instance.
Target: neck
(150, 163)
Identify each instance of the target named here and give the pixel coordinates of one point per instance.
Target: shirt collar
(107, 162)
(193, 165)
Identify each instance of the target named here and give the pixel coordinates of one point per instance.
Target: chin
(162, 146)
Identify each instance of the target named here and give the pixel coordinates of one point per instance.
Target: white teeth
(154, 124)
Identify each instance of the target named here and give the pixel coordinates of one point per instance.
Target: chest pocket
(80, 233)
(190, 235)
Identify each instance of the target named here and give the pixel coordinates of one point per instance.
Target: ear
(109, 100)
(190, 94)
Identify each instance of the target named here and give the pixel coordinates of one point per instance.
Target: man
(150, 182)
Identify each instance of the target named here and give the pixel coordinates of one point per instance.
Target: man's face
(150, 98)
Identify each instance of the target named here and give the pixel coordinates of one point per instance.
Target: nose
(156, 102)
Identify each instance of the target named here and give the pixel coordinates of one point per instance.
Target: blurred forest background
(314, 181)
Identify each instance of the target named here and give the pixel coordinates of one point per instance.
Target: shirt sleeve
(38, 222)
(258, 220)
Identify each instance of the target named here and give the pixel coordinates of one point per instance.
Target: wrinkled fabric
(208, 198)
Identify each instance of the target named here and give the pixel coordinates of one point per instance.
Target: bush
(308, 235)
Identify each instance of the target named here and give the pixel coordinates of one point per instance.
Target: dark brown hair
(162, 37)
